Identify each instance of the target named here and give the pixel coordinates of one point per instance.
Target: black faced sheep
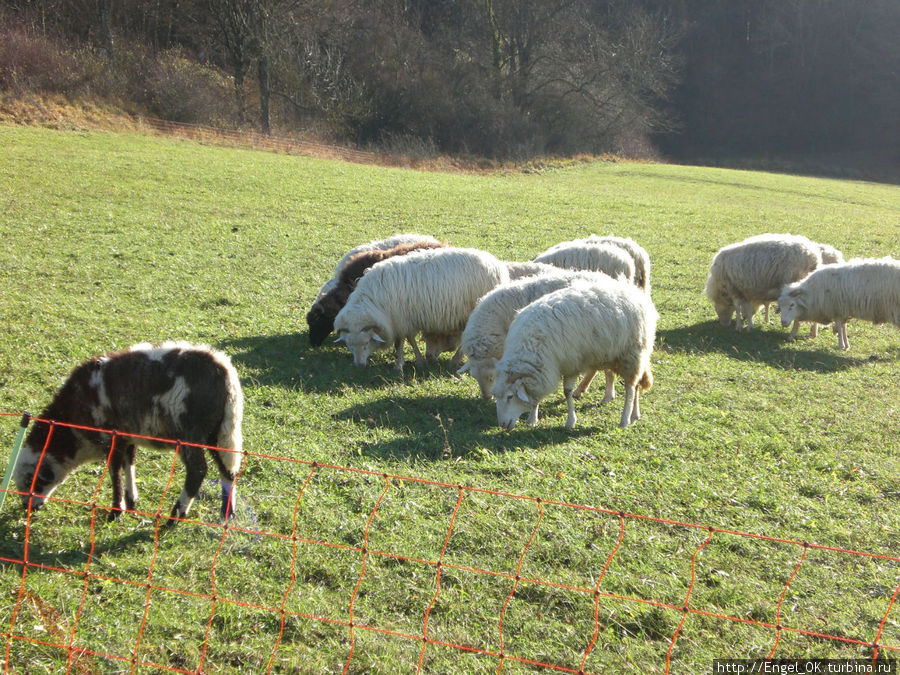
(321, 317)
(175, 390)
(320, 324)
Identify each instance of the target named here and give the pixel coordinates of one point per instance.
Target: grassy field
(108, 239)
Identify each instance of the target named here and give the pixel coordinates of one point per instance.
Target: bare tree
(249, 30)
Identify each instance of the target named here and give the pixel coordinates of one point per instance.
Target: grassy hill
(109, 239)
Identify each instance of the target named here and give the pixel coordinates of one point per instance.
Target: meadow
(111, 239)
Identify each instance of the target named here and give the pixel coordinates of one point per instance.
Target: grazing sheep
(606, 258)
(746, 275)
(321, 319)
(431, 292)
(862, 288)
(488, 325)
(520, 270)
(640, 257)
(599, 325)
(830, 255)
(175, 390)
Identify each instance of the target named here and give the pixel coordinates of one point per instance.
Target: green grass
(107, 240)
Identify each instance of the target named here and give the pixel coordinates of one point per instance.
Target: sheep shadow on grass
(761, 346)
(449, 427)
(12, 530)
(289, 361)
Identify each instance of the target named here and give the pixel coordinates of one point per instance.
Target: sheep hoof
(113, 515)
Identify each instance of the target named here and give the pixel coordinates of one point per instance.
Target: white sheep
(580, 255)
(488, 325)
(745, 276)
(830, 256)
(529, 268)
(638, 254)
(863, 288)
(432, 292)
(319, 318)
(175, 390)
(599, 325)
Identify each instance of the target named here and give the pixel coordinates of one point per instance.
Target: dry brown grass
(57, 112)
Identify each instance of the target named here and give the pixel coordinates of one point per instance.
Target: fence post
(14, 457)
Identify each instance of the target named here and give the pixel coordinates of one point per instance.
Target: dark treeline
(808, 81)
(720, 80)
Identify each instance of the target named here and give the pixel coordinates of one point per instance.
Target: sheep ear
(340, 338)
(377, 338)
(465, 368)
(520, 392)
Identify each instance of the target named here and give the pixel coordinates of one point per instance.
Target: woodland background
(808, 85)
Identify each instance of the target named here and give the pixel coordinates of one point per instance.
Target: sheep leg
(610, 387)
(568, 390)
(228, 496)
(843, 342)
(131, 493)
(585, 383)
(636, 410)
(398, 347)
(794, 330)
(195, 466)
(115, 477)
(766, 312)
(747, 307)
(122, 457)
(533, 416)
(630, 393)
(456, 361)
(415, 347)
(813, 329)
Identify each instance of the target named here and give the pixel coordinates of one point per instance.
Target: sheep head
(320, 324)
(721, 300)
(51, 465)
(362, 343)
(791, 304)
(483, 371)
(513, 399)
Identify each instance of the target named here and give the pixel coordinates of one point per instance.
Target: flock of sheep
(579, 307)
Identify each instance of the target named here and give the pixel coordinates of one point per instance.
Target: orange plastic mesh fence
(71, 640)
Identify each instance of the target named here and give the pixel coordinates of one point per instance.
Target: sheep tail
(230, 429)
(646, 380)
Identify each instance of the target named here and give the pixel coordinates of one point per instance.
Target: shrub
(176, 88)
(32, 63)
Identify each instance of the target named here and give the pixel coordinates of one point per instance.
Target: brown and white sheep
(319, 325)
(176, 390)
(321, 316)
